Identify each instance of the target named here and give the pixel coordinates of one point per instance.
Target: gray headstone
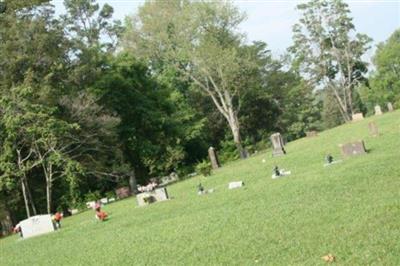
(145, 198)
(373, 129)
(353, 148)
(213, 158)
(357, 117)
(390, 107)
(277, 145)
(37, 225)
(378, 110)
(236, 184)
(312, 133)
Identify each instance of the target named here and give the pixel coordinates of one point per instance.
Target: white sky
(271, 21)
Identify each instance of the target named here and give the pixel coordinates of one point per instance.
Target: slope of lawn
(351, 210)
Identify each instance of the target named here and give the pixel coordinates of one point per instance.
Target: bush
(204, 168)
(92, 196)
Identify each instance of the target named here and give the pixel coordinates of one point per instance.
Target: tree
(200, 40)
(328, 51)
(385, 84)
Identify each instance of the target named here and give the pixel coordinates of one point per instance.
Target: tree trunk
(235, 128)
(28, 212)
(29, 195)
(48, 195)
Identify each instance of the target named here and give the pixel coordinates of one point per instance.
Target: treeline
(88, 104)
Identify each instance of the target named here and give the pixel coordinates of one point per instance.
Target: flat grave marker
(353, 148)
(236, 184)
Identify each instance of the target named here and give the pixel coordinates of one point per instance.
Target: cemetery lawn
(350, 210)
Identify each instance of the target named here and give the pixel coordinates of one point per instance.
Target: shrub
(204, 168)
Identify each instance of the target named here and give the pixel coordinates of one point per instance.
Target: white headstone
(111, 199)
(37, 225)
(357, 117)
(104, 200)
(236, 184)
(90, 204)
(390, 107)
(74, 211)
(378, 110)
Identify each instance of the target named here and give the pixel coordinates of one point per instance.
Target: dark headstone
(373, 129)
(357, 117)
(277, 145)
(353, 148)
(310, 134)
(390, 107)
(213, 158)
(123, 192)
(378, 110)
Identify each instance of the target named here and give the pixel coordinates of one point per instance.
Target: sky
(271, 21)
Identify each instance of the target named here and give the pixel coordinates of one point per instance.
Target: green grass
(351, 210)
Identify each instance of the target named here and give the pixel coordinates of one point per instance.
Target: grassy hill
(351, 210)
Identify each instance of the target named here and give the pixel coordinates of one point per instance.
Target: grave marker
(277, 144)
(378, 110)
(213, 158)
(123, 192)
(37, 225)
(373, 129)
(235, 184)
(145, 198)
(357, 117)
(390, 107)
(310, 134)
(353, 148)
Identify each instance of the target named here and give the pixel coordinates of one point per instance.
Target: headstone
(145, 198)
(90, 204)
(357, 117)
(213, 158)
(390, 107)
(123, 192)
(173, 177)
(74, 211)
(277, 145)
(37, 225)
(310, 134)
(111, 199)
(373, 129)
(104, 200)
(378, 110)
(353, 148)
(236, 184)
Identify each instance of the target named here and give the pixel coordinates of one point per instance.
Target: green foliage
(384, 84)
(92, 196)
(204, 168)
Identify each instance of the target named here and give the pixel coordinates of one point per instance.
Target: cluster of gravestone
(378, 111)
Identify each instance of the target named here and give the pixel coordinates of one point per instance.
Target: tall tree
(385, 83)
(201, 41)
(328, 51)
